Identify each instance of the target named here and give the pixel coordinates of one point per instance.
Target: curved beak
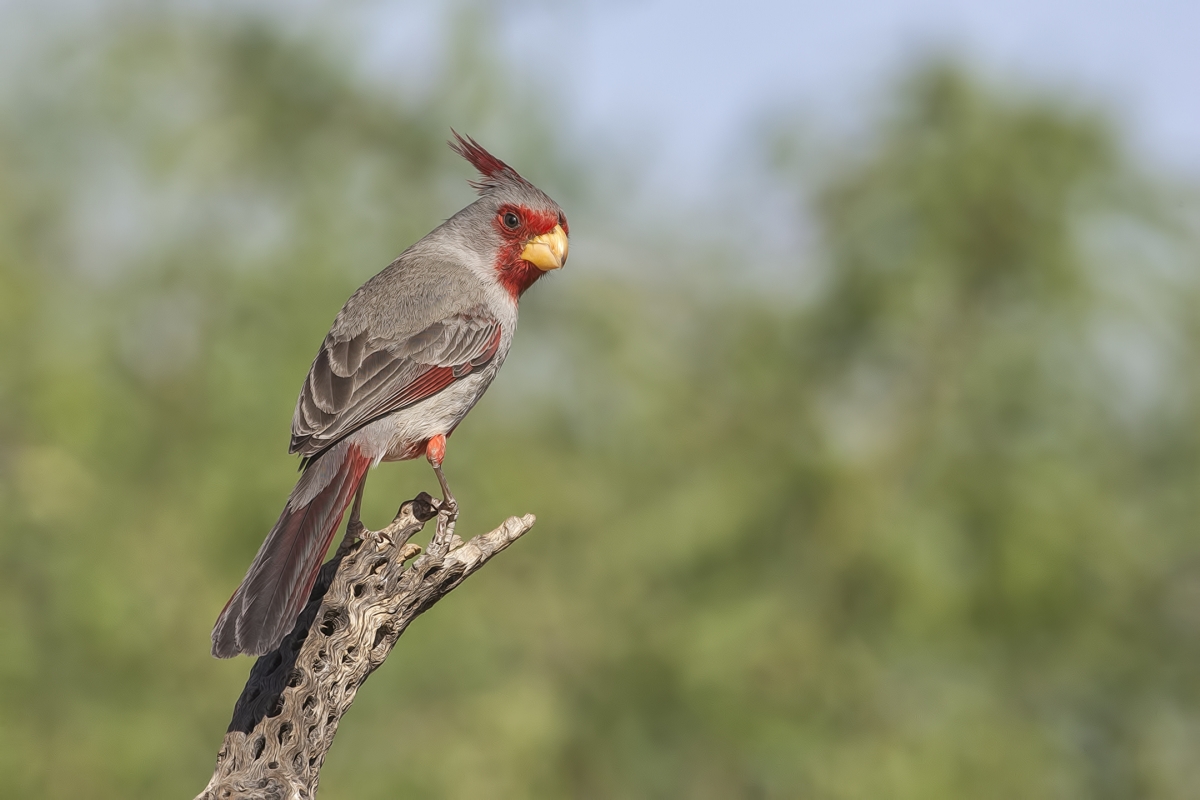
(548, 251)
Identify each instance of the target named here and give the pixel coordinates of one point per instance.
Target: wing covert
(357, 378)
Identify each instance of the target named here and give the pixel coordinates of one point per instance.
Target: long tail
(276, 587)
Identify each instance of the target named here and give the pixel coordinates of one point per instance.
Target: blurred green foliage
(928, 531)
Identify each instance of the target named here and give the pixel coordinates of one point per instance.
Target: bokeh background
(863, 427)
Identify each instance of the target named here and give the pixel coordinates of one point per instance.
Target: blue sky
(678, 84)
(682, 82)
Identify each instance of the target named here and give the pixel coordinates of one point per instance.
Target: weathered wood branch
(364, 598)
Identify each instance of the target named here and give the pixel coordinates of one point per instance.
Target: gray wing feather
(357, 378)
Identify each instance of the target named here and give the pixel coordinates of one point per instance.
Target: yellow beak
(548, 251)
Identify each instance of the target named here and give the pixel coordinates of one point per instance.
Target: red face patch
(517, 225)
(524, 222)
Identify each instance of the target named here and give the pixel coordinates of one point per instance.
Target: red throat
(517, 277)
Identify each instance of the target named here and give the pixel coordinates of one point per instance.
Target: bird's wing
(357, 377)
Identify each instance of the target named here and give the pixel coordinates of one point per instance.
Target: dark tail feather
(276, 587)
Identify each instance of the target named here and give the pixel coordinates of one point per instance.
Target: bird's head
(526, 231)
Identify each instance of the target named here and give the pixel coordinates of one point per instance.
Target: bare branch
(364, 598)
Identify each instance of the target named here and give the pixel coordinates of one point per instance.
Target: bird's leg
(435, 451)
(355, 527)
(355, 530)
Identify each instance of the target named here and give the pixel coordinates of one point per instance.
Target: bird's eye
(511, 221)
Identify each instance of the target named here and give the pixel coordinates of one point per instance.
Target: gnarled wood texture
(364, 598)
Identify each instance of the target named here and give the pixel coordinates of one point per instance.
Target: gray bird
(407, 357)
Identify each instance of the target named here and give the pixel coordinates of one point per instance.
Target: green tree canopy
(926, 531)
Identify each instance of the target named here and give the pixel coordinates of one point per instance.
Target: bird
(408, 355)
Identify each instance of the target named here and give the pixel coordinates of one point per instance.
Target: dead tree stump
(364, 598)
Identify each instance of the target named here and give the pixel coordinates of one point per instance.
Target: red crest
(493, 171)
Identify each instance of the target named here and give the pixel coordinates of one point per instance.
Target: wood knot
(424, 507)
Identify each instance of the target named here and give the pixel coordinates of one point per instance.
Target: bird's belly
(402, 435)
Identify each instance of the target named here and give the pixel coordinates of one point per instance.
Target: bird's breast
(402, 434)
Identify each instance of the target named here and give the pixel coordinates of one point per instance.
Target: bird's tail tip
(278, 583)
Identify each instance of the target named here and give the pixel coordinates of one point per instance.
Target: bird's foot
(449, 507)
(443, 540)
